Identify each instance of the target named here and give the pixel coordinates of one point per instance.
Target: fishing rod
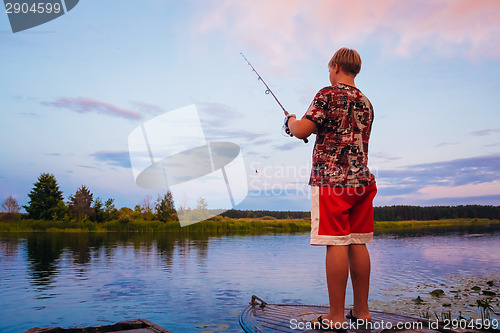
(269, 91)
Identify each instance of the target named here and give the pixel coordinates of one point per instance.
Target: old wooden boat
(129, 326)
(262, 317)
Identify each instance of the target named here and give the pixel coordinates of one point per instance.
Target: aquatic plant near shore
(464, 297)
(485, 307)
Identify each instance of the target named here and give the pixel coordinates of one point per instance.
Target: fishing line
(269, 91)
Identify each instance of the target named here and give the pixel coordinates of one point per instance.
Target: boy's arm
(301, 128)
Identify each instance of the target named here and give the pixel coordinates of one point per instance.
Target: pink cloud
(469, 190)
(147, 108)
(86, 105)
(285, 29)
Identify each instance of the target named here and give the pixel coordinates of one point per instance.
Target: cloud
(29, 114)
(419, 199)
(485, 132)
(217, 112)
(214, 133)
(457, 172)
(87, 166)
(147, 108)
(449, 181)
(223, 122)
(469, 190)
(444, 144)
(456, 182)
(86, 105)
(286, 146)
(116, 158)
(295, 28)
(384, 156)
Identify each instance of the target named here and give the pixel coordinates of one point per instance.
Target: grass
(218, 225)
(413, 224)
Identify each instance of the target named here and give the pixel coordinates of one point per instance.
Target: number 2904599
(35, 8)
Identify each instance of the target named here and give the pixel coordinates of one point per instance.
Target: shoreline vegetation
(46, 211)
(223, 225)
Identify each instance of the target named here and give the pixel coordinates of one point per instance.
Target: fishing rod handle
(288, 130)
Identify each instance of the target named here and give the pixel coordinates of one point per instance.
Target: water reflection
(181, 281)
(44, 253)
(9, 248)
(46, 250)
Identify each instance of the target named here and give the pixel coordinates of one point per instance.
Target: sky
(73, 90)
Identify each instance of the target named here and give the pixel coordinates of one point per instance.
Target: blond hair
(348, 60)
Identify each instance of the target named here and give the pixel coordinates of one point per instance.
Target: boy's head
(348, 60)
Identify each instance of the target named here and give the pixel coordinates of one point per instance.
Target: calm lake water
(200, 283)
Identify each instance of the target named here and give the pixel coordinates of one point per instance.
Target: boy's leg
(361, 220)
(359, 263)
(337, 272)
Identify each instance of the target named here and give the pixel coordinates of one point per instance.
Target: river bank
(223, 225)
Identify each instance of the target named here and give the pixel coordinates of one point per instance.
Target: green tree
(137, 212)
(80, 204)
(60, 212)
(110, 211)
(125, 215)
(165, 210)
(44, 197)
(98, 210)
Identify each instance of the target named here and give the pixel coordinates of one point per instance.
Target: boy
(343, 187)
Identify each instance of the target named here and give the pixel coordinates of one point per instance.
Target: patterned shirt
(343, 117)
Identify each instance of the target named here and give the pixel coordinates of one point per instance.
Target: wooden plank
(279, 317)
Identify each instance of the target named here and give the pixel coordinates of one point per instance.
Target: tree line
(389, 213)
(279, 215)
(404, 213)
(46, 202)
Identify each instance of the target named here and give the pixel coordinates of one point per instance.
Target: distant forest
(388, 213)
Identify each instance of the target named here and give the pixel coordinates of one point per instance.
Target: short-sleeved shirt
(343, 117)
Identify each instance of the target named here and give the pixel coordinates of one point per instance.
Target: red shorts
(342, 215)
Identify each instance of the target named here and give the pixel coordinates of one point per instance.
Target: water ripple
(189, 283)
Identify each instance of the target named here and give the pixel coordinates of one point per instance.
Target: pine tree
(110, 211)
(44, 198)
(98, 210)
(165, 210)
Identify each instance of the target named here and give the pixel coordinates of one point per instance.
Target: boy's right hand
(287, 129)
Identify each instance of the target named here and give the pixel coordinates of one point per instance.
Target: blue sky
(74, 88)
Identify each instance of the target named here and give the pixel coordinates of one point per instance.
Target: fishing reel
(286, 130)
